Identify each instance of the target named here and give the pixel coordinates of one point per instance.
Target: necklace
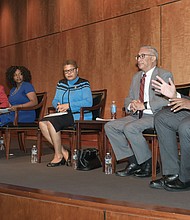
(16, 90)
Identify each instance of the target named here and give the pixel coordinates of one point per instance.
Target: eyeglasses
(69, 71)
(142, 56)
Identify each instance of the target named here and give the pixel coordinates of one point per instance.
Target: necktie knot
(143, 77)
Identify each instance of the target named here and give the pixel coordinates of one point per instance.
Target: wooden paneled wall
(102, 35)
(18, 202)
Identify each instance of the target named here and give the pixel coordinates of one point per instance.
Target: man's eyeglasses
(142, 56)
(69, 71)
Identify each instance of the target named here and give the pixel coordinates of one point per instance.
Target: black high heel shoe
(62, 162)
(68, 161)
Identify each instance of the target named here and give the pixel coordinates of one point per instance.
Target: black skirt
(60, 122)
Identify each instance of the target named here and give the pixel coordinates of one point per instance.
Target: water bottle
(108, 163)
(75, 159)
(34, 154)
(113, 110)
(2, 147)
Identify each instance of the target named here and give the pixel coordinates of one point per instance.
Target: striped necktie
(141, 93)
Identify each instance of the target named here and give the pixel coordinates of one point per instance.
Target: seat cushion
(149, 131)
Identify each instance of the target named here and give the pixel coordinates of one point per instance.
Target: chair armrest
(51, 109)
(16, 119)
(82, 109)
(42, 98)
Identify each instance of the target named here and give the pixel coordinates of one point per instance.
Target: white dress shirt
(146, 90)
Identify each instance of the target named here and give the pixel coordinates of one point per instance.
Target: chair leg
(154, 156)
(72, 142)
(100, 145)
(7, 141)
(73, 145)
(39, 145)
(21, 141)
(113, 160)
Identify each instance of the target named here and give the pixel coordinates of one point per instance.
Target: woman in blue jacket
(72, 93)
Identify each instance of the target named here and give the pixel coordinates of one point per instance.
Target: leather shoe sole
(129, 170)
(176, 186)
(159, 183)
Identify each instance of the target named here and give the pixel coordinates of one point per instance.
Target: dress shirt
(146, 90)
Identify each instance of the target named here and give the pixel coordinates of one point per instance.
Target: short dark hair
(70, 62)
(11, 71)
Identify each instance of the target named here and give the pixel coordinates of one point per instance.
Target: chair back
(98, 106)
(99, 101)
(40, 108)
(183, 89)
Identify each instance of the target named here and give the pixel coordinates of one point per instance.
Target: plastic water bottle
(2, 146)
(75, 159)
(113, 110)
(108, 163)
(34, 154)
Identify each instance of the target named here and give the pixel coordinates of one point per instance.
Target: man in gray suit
(125, 134)
(176, 171)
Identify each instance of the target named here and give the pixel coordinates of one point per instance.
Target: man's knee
(107, 126)
(160, 117)
(184, 128)
(131, 129)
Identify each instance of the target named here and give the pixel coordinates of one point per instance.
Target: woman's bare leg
(45, 131)
(54, 138)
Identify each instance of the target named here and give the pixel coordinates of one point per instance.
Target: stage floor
(20, 172)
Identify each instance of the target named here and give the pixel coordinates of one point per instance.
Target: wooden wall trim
(40, 199)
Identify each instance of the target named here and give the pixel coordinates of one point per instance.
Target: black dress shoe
(62, 162)
(146, 170)
(159, 183)
(177, 185)
(129, 170)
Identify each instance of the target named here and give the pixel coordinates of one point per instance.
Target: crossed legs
(54, 138)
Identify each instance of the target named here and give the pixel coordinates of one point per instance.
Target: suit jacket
(156, 100)
(4, 103)
(184, 96)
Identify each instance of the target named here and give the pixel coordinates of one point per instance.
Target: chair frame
(23, 128)
(72, 131)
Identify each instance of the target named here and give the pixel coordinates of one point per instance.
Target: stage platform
(64, 193)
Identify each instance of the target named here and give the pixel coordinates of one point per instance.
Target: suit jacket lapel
(138, 82)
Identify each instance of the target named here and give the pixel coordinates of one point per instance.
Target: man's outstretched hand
(167, 89)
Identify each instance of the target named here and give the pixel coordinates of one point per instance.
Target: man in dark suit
(125, 134)
(176, 169)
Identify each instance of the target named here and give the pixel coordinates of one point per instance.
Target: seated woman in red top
(4, 103)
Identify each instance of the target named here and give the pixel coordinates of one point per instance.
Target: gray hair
(153, 50)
